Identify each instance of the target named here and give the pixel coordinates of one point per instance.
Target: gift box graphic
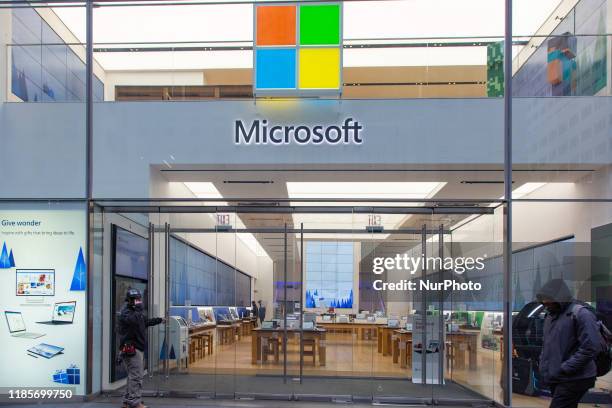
(70, 375)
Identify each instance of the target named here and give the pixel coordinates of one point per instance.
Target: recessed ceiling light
(363, 190)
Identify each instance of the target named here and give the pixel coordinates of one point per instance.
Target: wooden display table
(237, 330)
(226, 333)
(201, 341)
(246, 327)
(259, 336)
(384, 335)
(461, 342)
(402, 348)
(361, 329)
(202, 328)
(208, 329)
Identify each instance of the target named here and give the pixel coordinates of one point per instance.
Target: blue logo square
(275, 68)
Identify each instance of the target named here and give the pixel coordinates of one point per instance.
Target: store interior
(217, 243)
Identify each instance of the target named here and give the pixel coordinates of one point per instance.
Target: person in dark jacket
(261, 312)
(570, 345)
(254, 310)
(133, 343)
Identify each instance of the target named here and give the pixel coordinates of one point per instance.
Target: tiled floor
(346, 357)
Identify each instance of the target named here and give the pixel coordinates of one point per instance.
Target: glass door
(267, 358)
(403, 364)
(471, 309)
(156, 296)
(329, 283)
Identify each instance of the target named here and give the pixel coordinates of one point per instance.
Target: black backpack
(603, 360)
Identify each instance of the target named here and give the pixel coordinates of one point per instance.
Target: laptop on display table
(393, 323)
(63, 313)
(17, 326)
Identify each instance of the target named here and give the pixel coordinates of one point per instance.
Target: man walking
(570, 344)
(132, 329)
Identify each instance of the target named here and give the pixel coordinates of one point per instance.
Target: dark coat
(570, 342)
(133, 327)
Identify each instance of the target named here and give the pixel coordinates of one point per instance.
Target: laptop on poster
(46, 350)
(17, 326)
(63, 313)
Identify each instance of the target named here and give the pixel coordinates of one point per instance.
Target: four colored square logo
(298, 49)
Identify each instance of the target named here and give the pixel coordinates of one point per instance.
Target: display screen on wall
(569, 62)
(35, 282)
(533, 266)
(43, 67)
(329, 274)
(131, 254)
(203, 280)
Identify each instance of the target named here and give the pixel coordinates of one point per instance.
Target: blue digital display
(329, 274)
(43, 67)
(202, 280)
(131, 255)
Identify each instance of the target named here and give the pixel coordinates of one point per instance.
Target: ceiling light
(207, 190)
(526, 189)
(382, 191)
(203, 189)
(362, 190)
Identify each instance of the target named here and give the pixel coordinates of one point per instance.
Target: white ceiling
(419, 19)
(354, 184)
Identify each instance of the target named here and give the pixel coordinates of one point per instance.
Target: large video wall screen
(329, 274)
(43, 67)
(202, 280)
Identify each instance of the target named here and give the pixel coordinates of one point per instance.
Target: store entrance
(325, 324)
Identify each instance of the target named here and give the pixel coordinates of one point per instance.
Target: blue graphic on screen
(203, 280)
(5, 258)
(43, 67)
(79, 278)
(329, 274)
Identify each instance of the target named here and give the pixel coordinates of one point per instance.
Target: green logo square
(320, 24)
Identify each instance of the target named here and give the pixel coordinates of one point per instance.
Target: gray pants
(134, 366)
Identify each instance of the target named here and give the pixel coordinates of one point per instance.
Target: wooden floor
(349, 357)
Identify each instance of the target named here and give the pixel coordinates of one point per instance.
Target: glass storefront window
(261, 227)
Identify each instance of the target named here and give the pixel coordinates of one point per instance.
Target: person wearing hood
(132, 330)
(570, 345)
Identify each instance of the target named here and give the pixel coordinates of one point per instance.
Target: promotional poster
(43, 298)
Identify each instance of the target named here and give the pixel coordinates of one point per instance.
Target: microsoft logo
(298, 49)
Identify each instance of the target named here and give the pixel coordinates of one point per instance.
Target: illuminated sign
(263, 132)
(298, 50)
